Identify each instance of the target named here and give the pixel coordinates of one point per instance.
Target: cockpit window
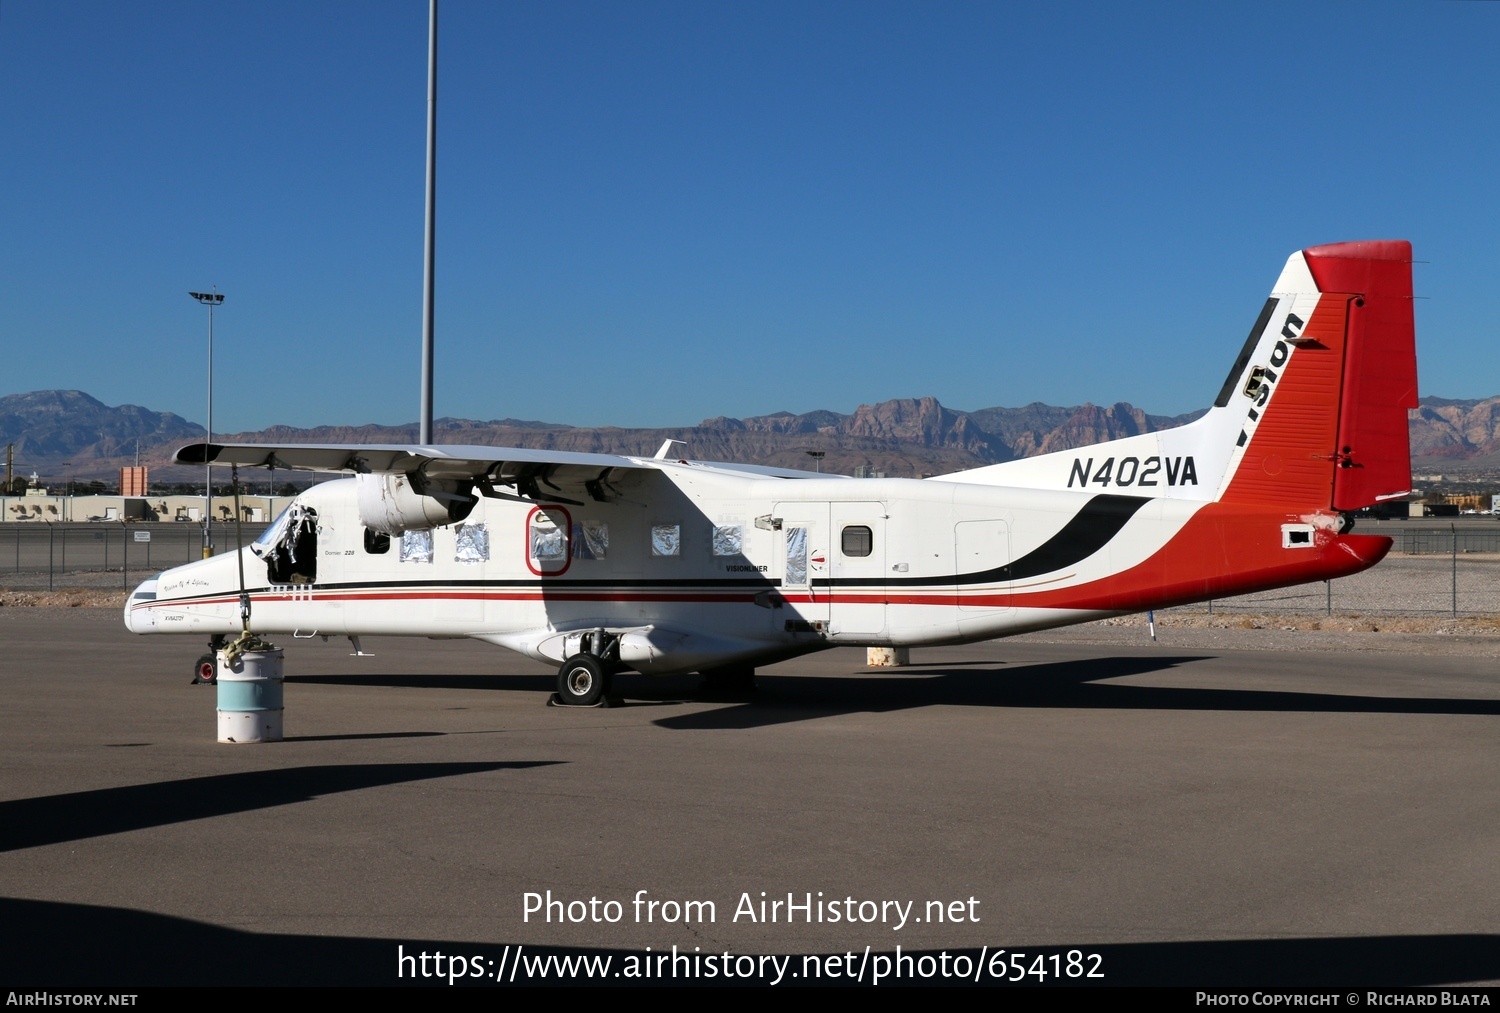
(290, 546)
(271, 535)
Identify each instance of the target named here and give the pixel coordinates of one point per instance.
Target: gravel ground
(73, 597)
(1426, 635)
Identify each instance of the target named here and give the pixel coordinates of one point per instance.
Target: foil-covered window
(727, 540)
(666, 539)
(796, 556)
(590, 539)
(471, 543)
(416, 547)
(548, 541)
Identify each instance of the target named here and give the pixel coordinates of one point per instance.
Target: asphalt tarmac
(1196, 817)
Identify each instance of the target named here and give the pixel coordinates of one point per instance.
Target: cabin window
(858, 540)
(590, 540)
(547, 531)
(548, 543)
(727, 540)
(377, 543)
(666, 539)
(416, 547)
(471, 543)
(796, 557)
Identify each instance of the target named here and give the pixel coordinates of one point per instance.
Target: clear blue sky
(653, 212)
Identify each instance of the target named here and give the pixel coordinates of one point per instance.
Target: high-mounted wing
(498, 472)
(529, 474)
(447, 461)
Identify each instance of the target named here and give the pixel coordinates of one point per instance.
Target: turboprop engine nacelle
(394, 504)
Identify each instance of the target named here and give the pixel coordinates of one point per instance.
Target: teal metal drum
(250, 697)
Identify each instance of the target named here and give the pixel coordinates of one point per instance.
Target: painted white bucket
(887, 657)
(250, 697)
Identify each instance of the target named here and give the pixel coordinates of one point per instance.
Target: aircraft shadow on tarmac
(80, 945)
(437, 680)
(1065, 685)
(53, 819)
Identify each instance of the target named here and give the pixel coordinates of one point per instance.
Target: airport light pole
(429, 249)
(211, 299)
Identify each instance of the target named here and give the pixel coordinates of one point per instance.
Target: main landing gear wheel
(582, 681)
(206, 671)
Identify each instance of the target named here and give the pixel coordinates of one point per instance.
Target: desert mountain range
(69, 434)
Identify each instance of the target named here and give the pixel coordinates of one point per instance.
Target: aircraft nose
(139, 617)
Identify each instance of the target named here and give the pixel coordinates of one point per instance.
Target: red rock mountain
(67, 434)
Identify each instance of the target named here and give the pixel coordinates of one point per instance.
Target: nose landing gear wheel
(206, 671)
(582, 681)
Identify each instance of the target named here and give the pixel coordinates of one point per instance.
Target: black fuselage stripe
(1090, 530)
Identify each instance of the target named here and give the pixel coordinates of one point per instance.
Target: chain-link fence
(1445, 540)
(65, 555)
(1450, 570)
(1401, 585)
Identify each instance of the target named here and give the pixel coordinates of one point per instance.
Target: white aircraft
(602, 563)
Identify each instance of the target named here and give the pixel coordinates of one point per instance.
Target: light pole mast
(425, 423)
(211, 299)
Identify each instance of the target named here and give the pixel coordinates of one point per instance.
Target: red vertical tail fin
(1380, 367)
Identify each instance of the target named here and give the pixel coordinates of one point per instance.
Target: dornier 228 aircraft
(602, 563)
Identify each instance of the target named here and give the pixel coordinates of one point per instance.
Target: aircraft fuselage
(745, 568)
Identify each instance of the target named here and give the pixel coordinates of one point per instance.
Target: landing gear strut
(584, 679)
